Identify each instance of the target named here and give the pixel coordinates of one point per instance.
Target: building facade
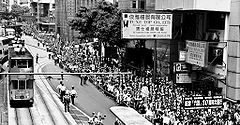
(214, 23)
(44, 11)
(65, 11)
(136, 5)
(233, 57)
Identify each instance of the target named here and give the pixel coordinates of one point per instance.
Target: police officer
(73, 93)
(67, 101)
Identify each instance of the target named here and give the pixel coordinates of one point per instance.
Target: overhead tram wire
(62, 73)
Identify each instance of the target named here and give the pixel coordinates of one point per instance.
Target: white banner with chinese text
(146, 26)
(197, 53)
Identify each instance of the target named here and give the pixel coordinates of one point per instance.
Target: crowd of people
(160, 102)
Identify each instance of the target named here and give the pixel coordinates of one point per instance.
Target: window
(14, 84)
(13, 63)
(1, 52)
(29, 84)
(21, 84)
(6, 42)
(134, 4)
(30, 63)
(142, 4)
(53, 6)
(216, 20)
(22, 63)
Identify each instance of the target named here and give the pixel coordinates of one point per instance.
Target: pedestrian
(59, 87)
(37, 58)
(62, 91)
(66, 101)
(55, 60)
(81, 80)
(62, 75)
(73, 93)
(85, 79)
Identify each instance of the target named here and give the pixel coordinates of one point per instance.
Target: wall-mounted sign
(146, 26)
(183, 78)
(180, 67)
(182, 55)
(197, 53)
(201, 102)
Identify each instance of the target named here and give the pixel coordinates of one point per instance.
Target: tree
(102, 22)
(17, 10)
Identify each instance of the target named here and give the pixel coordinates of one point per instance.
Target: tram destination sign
(146, 26)
(201, 102)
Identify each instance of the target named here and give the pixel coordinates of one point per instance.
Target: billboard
(197, 53)
(146, 26)
(201, 102)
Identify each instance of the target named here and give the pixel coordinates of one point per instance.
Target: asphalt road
(89, 98)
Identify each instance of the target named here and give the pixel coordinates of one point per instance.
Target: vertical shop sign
(70, 8)
(197, 53)
(146, 26)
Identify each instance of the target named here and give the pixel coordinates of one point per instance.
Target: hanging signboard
(183, 78)
(197, 53)
(201, 102)
(146, 26)
(70, 8)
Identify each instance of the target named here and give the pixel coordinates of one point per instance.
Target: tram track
(46, 103)
(57, 107)
(23, 116)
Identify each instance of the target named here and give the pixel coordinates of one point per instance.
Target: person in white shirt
(73, 94)
(62, 90)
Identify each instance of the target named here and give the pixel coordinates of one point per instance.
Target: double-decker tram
(21, 87)
(4, 42)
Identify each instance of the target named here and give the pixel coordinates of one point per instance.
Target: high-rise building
(135, 5)
(44, 11)
(4, 5)
(65, 11)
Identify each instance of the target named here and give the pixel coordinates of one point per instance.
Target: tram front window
(21, 84)
(14, 84)
(30, 63)
(29, 84)
(13, 63)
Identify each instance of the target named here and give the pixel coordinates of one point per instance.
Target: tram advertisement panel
(201, 102)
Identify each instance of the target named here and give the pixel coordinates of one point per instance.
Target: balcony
(207, 5)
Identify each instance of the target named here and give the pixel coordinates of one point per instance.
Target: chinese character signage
(70, 8)
(183, 78)
(180, 67)
(197, 53)
(146, 26)
(201, 102)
